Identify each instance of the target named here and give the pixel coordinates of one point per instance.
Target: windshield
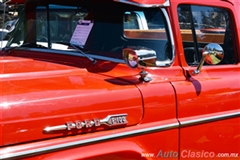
(98, 28)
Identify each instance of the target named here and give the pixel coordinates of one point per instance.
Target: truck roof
(146, 3)
(134, 2)
(143, 3)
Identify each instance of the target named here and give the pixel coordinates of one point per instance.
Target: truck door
(208, 102)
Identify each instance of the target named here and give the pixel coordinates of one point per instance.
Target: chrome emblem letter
(88, 123)
(70, 125)
(97, 122)
(78, 124)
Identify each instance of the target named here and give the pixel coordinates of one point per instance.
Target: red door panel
(208, 111)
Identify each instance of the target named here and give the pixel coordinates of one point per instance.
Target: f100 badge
(111, 120)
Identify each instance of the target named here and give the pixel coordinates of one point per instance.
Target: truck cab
(113, 79)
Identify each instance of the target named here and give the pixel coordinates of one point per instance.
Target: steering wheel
(42, 38)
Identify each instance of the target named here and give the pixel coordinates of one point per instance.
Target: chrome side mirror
(134, 56)
(140, 56)
(211, 54)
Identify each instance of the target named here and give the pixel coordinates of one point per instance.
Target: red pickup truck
(122, 79)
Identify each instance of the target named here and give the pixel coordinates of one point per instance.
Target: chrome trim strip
(168, 63)
(208, 119)
(56, 128)
(166, 4)
(123, 134)
(91, 140)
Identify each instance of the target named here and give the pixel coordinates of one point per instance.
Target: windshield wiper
(79, 48)
(28, 44)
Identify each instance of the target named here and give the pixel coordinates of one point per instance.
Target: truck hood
(42, 100)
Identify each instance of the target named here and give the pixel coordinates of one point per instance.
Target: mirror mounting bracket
(143, 75)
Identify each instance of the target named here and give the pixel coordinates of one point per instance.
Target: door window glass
(201, 25)
(147, 24)
(148, 28)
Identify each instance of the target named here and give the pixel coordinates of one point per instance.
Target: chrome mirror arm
(198, 69)
(211, 54)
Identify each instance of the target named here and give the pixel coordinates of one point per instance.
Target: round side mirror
(214, 53)
(130, 57)
(211, 54)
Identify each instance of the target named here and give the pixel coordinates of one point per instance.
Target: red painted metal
(40, 90)
(48, 94)
(212, 93)
(145, 2)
